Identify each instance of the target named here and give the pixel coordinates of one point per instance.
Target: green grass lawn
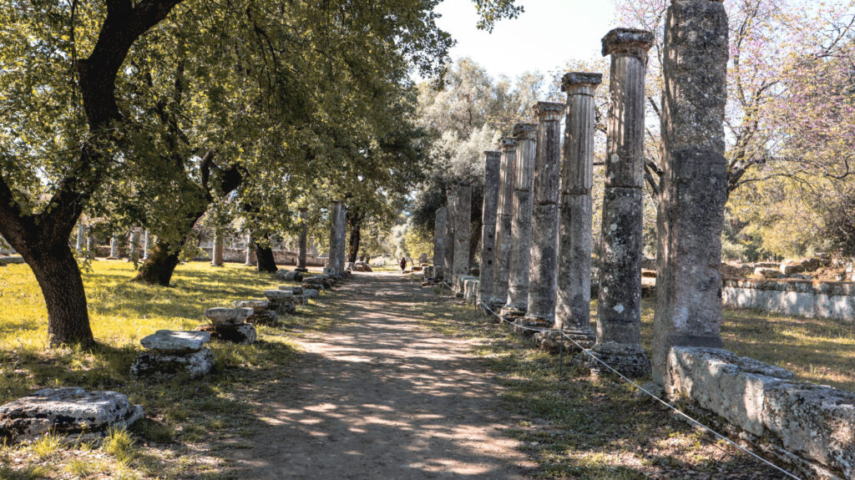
(188, 423)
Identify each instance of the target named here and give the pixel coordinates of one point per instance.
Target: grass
(580, 427)
(187, 421)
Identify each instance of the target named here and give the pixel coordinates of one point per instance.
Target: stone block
(243, 334)
(194, 365)
(172, 342)
(72, 411)
(812, 422)
(228, 316)
(257, 306)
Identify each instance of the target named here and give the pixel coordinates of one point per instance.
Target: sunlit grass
(578, 426)
(179, 411)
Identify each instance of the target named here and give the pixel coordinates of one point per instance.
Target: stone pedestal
(517, 302)
(575, 235)
(282, 302)
(504, 222)
(619, 304)
(171, 352)
(230, 324)
(694, 184)
(462, 229)
(439, 242)
(217, 250)
(488, 231)
(543, 271)
(91, 246)
(134, 247)
(303, 245)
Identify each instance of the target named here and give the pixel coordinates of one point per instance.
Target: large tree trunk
(265, 259)
(58, 275)
(160, 264)
(354, 221)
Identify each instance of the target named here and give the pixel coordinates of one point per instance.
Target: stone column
(543, 271)
(462, 230)
(336, 237)
(504, 222)
(114, 247)
(81, 237)
(439, 238)
(342, 239)
(146, 244)
(488, 231)
(217, 250)
(249, 259)
(694, 185)
(619, 304)
(302, 246)
(91, 245)
(451, 201)
(575, 235)
(134, 248)
(517, 304)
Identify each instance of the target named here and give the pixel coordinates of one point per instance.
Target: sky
(543, 38)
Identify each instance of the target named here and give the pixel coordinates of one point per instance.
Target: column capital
(525, 131)
(549, 111)
(627, 42)
(575, 81)
(508, 144)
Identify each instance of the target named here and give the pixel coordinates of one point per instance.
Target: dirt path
(381, 398)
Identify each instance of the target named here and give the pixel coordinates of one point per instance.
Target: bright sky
(543, 38)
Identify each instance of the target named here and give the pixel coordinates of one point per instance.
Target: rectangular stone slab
(175, 342)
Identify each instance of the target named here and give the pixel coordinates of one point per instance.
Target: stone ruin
(69, 411)
(806, 428)
(171, 352)
(231, 324)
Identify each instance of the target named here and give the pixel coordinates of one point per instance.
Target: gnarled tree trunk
(265, 260)
(354, 221)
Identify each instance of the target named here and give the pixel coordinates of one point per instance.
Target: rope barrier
(651, 395)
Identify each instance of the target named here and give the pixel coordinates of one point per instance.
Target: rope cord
(651, 395)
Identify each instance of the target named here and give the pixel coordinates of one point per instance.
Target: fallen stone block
(243, 334)
(282, 302)
(257, 306)
(228, 316)
(310, 293)
(289, 276)
(172, 342)
(807, 427)
(194, 365)
(67, 411)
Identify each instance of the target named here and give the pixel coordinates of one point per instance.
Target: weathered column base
(584, 337)
(514, 311)
(630, 360)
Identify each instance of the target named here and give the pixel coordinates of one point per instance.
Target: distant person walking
(403, 264)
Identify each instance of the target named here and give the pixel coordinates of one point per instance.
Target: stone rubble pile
(170, 352)
(67, 411)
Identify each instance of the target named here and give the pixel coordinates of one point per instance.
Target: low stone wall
(809, 428)
(282, 257)
(804, 298)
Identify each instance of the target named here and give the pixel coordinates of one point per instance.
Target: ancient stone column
(694, 184)
(249, 259)
(575, 235)
(302, 247)
(619, 304)
(462, 230)
(488, 230)
(114, 247)
(134, 249)
(146, 244)
(81, 237)
(91, 245)
(439, 238)
(336, 237)
(217, 250)
(504, 222)
(342, 240)
(543, 270)
(517, 304)
(451, 201)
